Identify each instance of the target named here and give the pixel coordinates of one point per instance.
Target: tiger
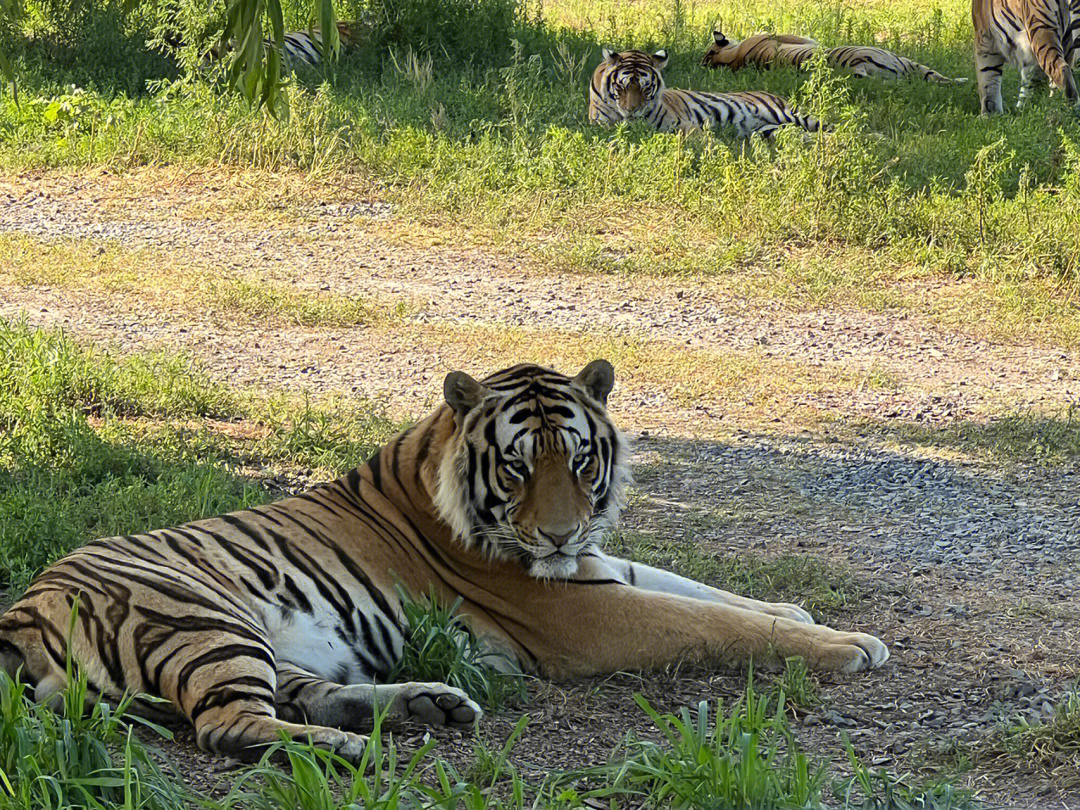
(764, 50)
(300, 46)
(287, 618)
(1031, 34)
(630, 85)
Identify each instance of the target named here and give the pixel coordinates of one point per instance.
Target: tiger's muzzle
(631, 98)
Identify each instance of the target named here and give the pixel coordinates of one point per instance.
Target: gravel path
(971, 569)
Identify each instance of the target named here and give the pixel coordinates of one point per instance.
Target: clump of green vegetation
(819, 584)
(878, 789)
(744, 757)
(741, 758)
(1054, 743)
(797, 684)
(440, 647)
(79, 755)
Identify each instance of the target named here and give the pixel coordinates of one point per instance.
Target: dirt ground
(969, 569)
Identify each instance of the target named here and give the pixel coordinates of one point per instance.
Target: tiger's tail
(931, 75)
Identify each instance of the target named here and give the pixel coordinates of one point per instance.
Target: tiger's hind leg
(304, 697)
(1027, 81)
(230, 701)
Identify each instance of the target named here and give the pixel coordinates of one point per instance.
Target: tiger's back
(764, 50)
(1031, 34)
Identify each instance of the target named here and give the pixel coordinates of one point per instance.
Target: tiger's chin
(553, 566)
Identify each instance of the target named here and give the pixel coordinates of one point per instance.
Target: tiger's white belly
(316, 643)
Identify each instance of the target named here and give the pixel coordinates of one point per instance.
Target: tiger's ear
(597, 379)
(462, 392)
(609, 55)
(719, 38)
(659, 59)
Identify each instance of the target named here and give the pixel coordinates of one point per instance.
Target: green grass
(93, 445)
(912, 184)
(815, 583)
(1053, 744)
(439, 647)
(80, 755)
(797, 685)
(745, 757)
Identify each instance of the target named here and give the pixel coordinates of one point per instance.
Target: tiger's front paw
(439, 704)
(851, 652)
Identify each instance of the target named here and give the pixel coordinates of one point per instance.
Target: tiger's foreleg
(655, 579)
(304, 697)
(988, 67)
(631, 628)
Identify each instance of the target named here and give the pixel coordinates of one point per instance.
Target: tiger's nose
(559, 540)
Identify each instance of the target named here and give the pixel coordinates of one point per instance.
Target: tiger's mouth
(557, 565)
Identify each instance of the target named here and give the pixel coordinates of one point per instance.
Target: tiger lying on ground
(630, 85)
(1031, 34)
(282, 617)
(302, 46)
(764, 50)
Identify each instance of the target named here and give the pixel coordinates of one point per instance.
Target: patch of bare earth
(969, 569)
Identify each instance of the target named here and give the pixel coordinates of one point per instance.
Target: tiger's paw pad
(440, 705)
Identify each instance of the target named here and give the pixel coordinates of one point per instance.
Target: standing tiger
(630, 85)
(283, 617)
(1030, 34)
(765, 50)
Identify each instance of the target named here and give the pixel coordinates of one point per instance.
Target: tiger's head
(722, 53)
(535, 470)
(630, 82)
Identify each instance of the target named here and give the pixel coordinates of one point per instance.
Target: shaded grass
(92, 445)
(1024, 436)
(821, 585)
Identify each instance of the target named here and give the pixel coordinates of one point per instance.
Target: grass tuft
(439, 647)
(742, 758)
(797, 685)
(82, 754)
(1053, 744)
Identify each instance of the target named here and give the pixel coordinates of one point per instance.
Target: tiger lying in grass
(284, 617)
(630, 85)
(765, 50)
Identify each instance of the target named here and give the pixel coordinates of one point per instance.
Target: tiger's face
(721, 53)
(535, 469)
(631, 81)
